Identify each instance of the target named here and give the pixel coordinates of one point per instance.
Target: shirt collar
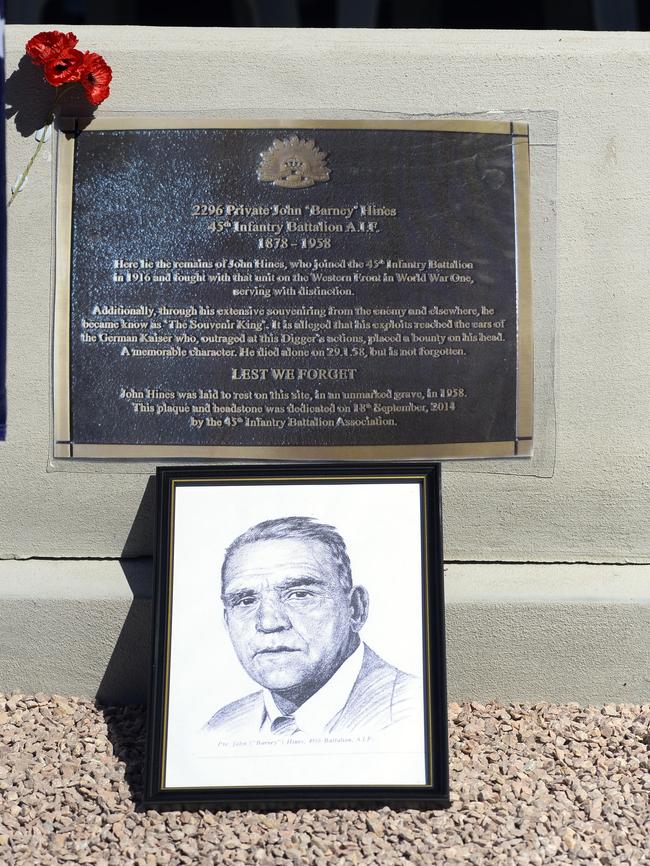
(313, 716)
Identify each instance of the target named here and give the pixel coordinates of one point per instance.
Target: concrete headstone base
(523, 632)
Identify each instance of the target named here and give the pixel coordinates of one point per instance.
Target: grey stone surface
(595, 505)
(514, 632)
(77, 627)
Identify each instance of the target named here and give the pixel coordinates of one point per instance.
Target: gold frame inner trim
(421, 480)
(62, 448)
(525, 382)
(460, 450)
(180, 121)
(62, 277)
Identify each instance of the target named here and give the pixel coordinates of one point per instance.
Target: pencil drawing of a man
(294, 617)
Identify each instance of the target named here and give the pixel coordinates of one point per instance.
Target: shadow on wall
(126, 679)
(140, 540)
(30, 99)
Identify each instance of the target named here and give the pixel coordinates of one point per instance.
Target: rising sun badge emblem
(294, 163)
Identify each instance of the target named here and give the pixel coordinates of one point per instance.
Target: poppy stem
(50, 120)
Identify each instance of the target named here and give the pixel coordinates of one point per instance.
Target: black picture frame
(188, 496)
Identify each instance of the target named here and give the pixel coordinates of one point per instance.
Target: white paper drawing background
(381, 526)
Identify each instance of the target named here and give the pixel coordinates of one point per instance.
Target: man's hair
(296, 527)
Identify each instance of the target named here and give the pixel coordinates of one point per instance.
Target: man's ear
(358, 607)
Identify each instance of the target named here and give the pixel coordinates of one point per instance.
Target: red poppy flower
(48, 45)
(95, 77)
(64, 68)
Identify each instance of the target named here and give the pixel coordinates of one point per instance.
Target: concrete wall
(514, 632)
(589, 505)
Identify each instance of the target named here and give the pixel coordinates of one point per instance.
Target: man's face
(290, 620)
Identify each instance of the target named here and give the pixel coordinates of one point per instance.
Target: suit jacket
(381, 697)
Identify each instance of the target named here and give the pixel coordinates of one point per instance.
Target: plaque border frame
(434, 792)
(65, 448)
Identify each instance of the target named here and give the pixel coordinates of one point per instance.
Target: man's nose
(271, 615)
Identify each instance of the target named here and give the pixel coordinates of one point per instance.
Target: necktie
(285, 726)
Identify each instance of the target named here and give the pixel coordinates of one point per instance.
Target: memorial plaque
(307, 289)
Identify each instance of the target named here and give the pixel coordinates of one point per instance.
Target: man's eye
(300, 593)
(246, 601)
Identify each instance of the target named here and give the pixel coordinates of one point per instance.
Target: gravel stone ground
(542, 784)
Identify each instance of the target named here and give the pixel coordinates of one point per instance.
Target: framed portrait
(299, 650)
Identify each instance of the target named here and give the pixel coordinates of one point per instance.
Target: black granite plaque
(317, 290)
